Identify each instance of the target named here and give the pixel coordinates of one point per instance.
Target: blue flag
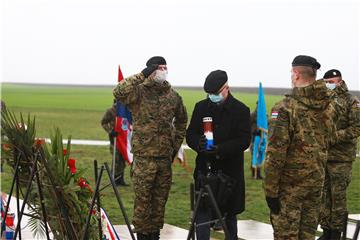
(260, 140)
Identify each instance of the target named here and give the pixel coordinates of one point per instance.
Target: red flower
(64, 152)
(83, 184)
(71, 165)
(39, 142)
(6, 147)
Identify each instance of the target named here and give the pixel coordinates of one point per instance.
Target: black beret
(156, 60)
(332, 73)
(307, 61)
(214, 81)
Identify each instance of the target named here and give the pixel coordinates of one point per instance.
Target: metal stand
(96, 196)
(200, 196)
(35, 174)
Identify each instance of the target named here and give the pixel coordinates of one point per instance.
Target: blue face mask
(216, 98)
(331, 86)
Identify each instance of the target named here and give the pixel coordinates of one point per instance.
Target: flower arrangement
(64, 187)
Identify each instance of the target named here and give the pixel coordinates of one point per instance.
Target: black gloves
(273, 204)
(213, 150)
(202, 147)
(202, 143)
(113, 133)
(149, 70)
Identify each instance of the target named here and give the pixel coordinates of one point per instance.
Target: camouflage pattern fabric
(339, 165)
(301, 129)
(159, 116)
(348, 126)
(108, 123)
(152, 181)
(333, 211)
(299, 213)
(108, 119)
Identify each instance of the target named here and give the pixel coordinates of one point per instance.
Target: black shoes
(326, 234)
(121, 182)
(330, 234)
(151, 236)
(141, 236)
(258, 173)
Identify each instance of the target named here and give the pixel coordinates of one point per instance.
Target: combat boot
(141, 236)
(326, 234)
(121, 182)
(155, 235)
(335, 234)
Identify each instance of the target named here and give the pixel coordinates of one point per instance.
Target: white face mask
(160, 76)
(331, 86)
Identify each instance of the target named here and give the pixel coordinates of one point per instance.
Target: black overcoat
(231, 123)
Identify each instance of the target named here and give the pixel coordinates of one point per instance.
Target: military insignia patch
(274, 115)
(124, 125)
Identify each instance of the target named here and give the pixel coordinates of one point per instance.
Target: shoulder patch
(274, 114)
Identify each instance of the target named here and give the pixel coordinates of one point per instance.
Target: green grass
(77, 111)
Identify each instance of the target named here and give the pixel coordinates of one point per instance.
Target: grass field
(77, 111)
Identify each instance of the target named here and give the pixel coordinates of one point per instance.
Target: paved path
(247, 229)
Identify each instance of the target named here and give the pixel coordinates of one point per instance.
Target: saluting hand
(149, 70)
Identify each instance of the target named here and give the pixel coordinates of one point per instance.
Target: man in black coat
(231, 134)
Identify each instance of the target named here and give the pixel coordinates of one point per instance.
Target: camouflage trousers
(333, 209)
(119, 162)
(152, 181)
(299, 212)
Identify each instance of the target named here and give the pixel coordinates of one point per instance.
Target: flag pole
(113, 160)
(114, 154)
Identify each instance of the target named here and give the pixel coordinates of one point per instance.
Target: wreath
(65, 191)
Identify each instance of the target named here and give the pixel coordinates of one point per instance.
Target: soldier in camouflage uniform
(159, 125)
(341, 156)
(300, 129)
(108, 123)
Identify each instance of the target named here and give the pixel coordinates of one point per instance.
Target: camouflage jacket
(108, 120)
(159, 115)
(348, 127)
(301, 128)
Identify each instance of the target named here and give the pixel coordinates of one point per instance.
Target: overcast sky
(83, 41)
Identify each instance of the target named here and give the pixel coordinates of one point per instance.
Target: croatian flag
(123, 126)
(260, 141)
